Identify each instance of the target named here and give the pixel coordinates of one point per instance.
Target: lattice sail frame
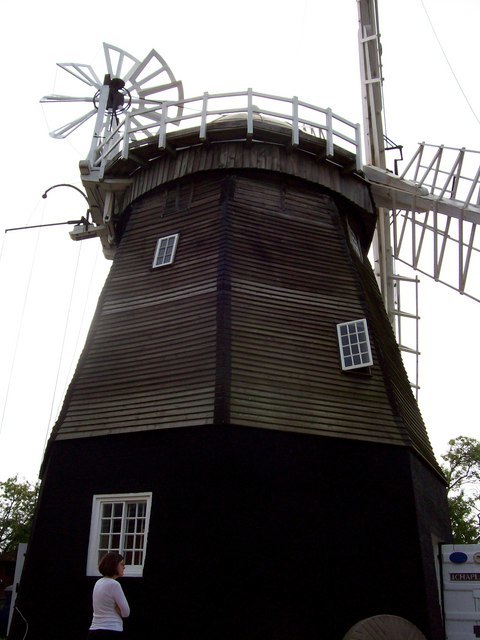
(434, 212)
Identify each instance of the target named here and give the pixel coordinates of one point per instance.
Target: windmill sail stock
(428, 214)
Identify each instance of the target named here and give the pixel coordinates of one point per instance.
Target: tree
(462, 471)
(17, 506)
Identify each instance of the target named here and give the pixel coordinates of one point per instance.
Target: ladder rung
(404, 314)
(409, 350)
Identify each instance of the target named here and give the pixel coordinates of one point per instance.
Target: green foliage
(17, 506)
(462, 471)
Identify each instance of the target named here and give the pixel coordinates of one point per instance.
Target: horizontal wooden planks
(241, 329)
(150, 358)
(253, 155)
(292, 282)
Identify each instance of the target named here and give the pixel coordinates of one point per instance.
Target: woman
(109, 602)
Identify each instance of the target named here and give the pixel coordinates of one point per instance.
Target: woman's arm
(121, 604)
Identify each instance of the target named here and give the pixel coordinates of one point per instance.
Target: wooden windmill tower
(240, 424)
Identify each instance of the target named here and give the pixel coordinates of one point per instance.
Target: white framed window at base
(165, 250)
(119, 523)
(354, 344)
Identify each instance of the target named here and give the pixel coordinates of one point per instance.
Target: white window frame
(159, 248)
(351, 348)
(95, 530)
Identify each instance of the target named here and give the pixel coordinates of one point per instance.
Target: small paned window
(165, 250)
(119, 523)
(354, 343)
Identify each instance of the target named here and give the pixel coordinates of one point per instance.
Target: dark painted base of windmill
(253, 534)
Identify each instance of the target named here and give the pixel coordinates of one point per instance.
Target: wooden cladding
(150, 359)
(286, 372)
(241, 328)
(238, 156)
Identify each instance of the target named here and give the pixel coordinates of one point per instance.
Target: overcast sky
(49, 285)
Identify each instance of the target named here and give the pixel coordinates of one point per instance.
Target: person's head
(112, 565)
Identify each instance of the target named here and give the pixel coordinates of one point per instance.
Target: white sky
(309, 49)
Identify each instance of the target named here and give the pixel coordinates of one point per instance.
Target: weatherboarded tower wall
(289, 499)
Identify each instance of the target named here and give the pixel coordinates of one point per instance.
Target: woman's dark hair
(109, 563)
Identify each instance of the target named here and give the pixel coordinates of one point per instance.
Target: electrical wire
(64, 338)
(449, 64)
(69, 375)
(19, 330)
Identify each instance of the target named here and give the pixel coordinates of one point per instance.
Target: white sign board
(461, 590)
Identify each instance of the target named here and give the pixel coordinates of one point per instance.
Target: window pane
(105, 526)
(107, 510)
(128, 543)
(104, 540)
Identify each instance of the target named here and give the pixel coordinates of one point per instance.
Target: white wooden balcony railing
(301, 117)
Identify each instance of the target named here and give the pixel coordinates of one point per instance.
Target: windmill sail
(435, 211)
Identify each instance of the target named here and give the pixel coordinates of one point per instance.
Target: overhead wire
(62, 347)
(450, 66)
(20, 324)
(85, 306)
(19, 330)
(11, 366)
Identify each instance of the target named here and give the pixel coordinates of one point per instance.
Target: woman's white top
(107, 593)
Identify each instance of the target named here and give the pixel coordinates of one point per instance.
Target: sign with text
(461, 590)
(465, 577)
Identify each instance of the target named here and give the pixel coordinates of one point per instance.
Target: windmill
(229, 375)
